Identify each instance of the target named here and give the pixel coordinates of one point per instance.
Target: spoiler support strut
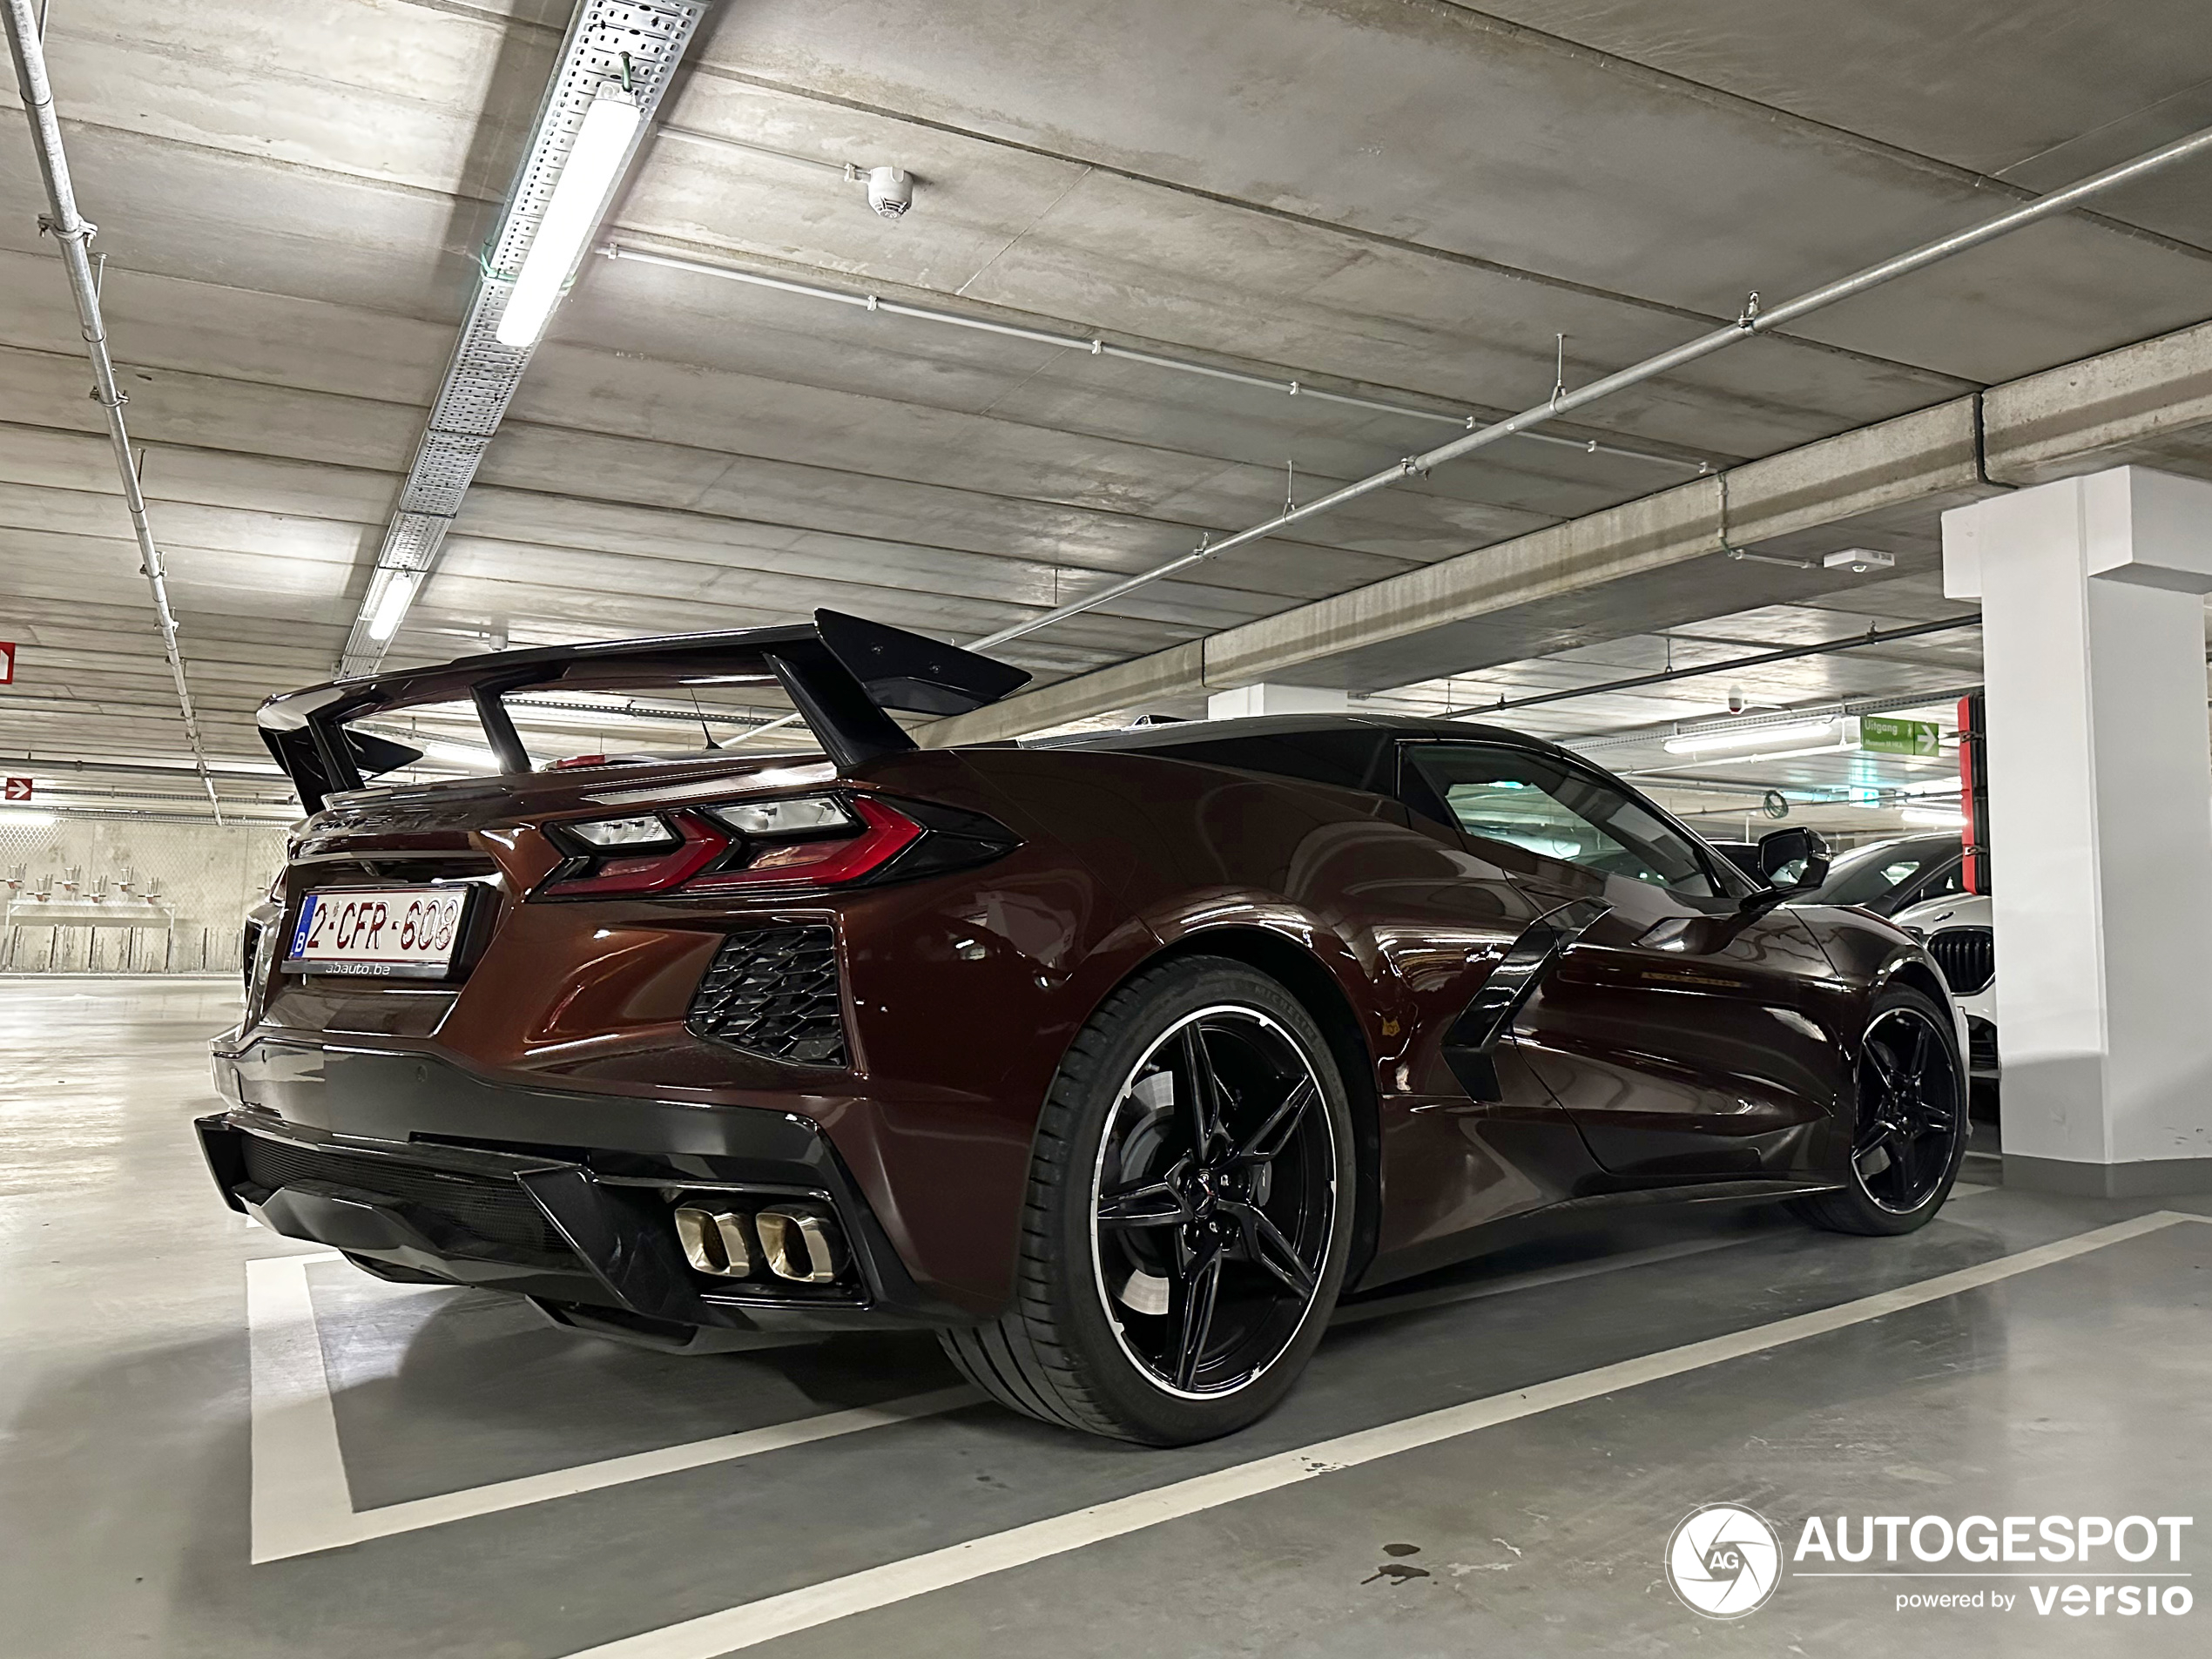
(842, 674)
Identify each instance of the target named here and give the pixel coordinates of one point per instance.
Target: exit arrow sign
(1880, 735)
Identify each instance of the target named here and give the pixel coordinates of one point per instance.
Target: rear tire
(1178, 1261)
(1909, 1134)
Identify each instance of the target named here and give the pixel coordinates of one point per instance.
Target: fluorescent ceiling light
(392, 604)
(457, 754)
(25, 818)
(602, 141)
(1934, 817)
(1752, 757)
(435, 748)
(1747, 736)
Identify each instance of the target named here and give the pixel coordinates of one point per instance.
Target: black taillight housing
(778, 843)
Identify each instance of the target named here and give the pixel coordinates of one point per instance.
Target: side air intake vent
(773, 991)
(1968, 957)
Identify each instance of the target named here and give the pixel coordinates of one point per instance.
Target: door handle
(1470, 1046)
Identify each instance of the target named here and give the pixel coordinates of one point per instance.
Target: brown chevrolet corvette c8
(1114, 1060)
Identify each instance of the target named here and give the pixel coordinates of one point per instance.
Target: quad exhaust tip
(798, 1244)
(714, 1241)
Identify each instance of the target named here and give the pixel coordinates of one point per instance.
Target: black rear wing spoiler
(842, 674)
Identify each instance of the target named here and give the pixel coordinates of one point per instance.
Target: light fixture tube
(392, 604)
(1698, 743)
(1934, 817)
(455, 754)
(1752, 757)
(602, 141)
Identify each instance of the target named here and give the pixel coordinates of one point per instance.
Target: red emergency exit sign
(7, 662)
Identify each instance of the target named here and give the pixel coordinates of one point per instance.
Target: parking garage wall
(129, 895)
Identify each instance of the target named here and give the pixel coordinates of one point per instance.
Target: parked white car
(1957, 932)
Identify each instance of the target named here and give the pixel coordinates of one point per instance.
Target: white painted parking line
(302, 1501)
(753, 1622)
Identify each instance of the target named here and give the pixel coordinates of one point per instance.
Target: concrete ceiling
(1405, 199)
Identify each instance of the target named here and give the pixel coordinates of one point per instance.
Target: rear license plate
(380, 933)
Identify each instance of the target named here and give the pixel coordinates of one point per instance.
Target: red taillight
(610, 876)
(707, 858)
(824, 863)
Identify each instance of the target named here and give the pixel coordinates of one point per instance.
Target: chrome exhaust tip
(715, 1241)
(801, 1245)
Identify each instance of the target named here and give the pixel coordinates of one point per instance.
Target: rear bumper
(565, 1198)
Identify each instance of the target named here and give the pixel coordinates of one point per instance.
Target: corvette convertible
(1114, 1060)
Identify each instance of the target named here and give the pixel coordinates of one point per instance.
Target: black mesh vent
(773, 991)
(1968, 957)
(484, 1208)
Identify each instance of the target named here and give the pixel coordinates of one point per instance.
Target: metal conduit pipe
(51, 766)
(1754, 321)
(715, 140)
(1781, 654)
(68, 228)
(1098, 347)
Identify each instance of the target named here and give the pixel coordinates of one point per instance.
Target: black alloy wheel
(1189, 1217)
(1910, 1117)
(1909, 1132)
(1214, 1199)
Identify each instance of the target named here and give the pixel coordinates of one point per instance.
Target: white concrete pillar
(1276, 699)
(2100, 824)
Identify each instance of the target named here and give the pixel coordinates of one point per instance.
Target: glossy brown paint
(592, 996)
(1407, 926)
(963, 990)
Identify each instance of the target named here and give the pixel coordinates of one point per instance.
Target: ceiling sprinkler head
(891, 191)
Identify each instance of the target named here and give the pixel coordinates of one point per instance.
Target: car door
(1669, 1024)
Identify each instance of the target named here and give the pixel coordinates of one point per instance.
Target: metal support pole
(68, 228)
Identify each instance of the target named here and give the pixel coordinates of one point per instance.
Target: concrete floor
(506, 1487)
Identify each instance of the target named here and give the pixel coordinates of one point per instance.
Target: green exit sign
(1879, 734)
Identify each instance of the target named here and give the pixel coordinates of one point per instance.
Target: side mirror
(1794, 859)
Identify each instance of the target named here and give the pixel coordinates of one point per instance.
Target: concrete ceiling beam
(1427, 622)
